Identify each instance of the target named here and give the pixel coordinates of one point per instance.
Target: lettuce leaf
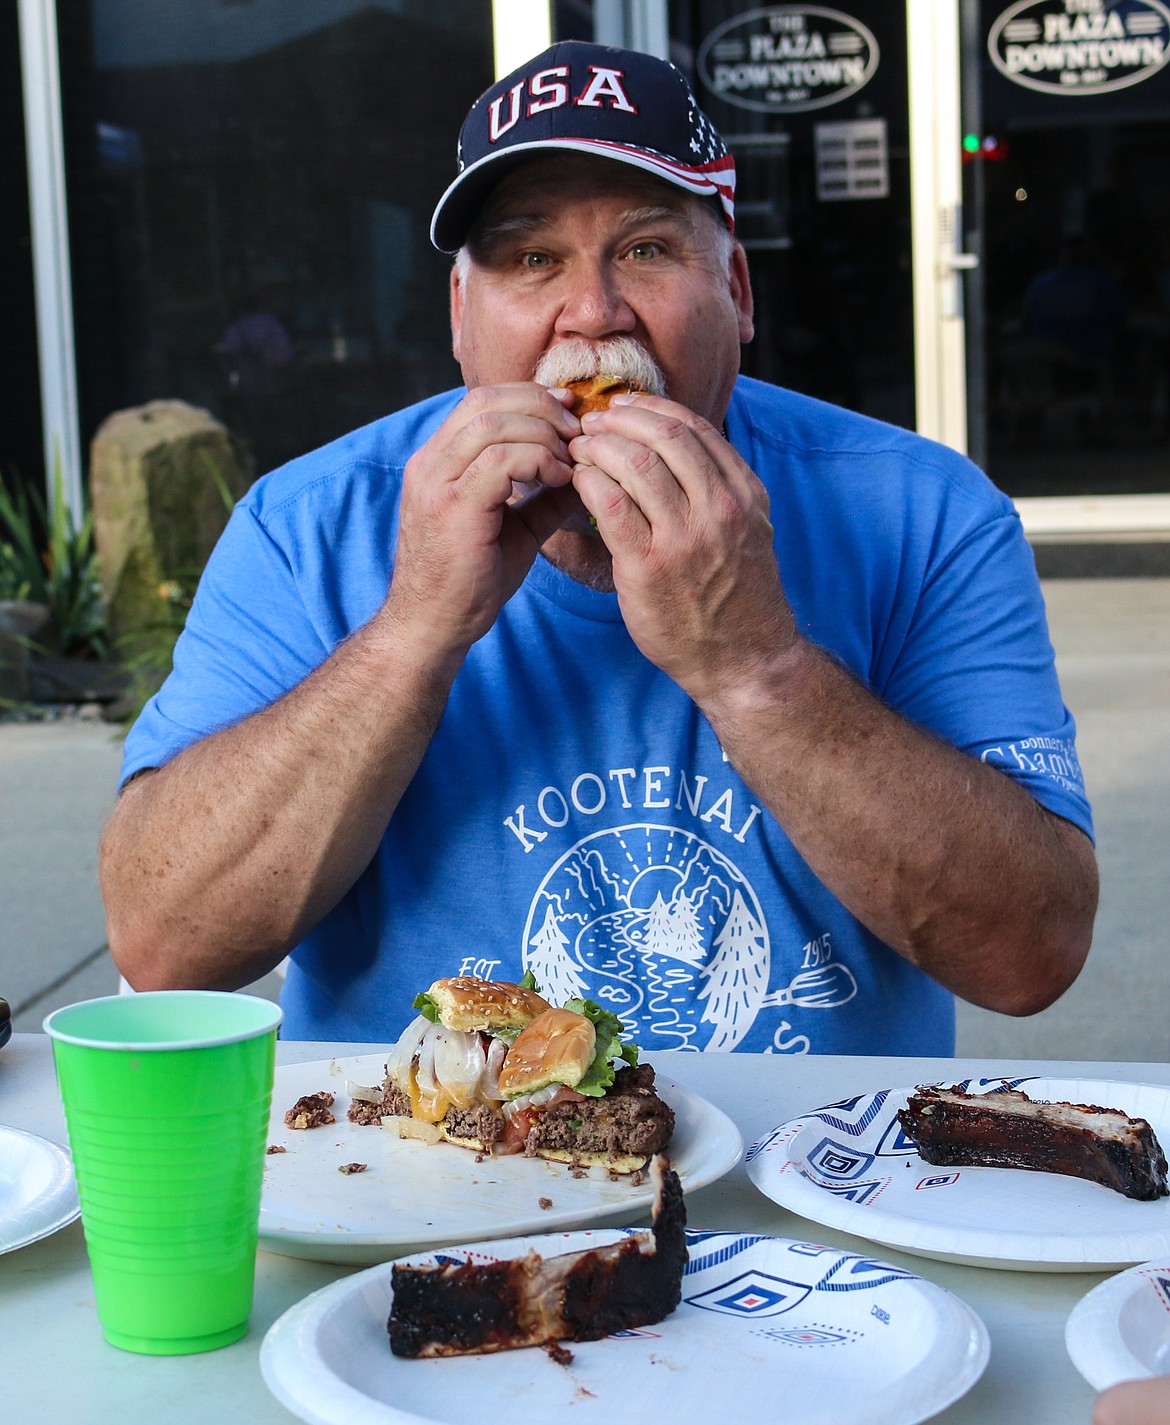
(426, 1006)
(599, 1076)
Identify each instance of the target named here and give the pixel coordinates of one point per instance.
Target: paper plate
(848, 1165)
(1121, 1329)
(412, 1196)
(38, 1194)
(831, 1335)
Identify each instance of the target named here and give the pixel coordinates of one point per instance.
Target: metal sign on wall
(1080, 46)
(787, 59)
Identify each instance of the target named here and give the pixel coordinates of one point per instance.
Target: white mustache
(619, 356)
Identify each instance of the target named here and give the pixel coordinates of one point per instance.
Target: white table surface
(57, 1368)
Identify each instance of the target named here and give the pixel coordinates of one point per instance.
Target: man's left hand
(687, 524)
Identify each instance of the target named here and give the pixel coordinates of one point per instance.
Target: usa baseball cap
(612, 103)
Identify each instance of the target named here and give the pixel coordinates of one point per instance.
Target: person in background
(256, 349)
(729, 709)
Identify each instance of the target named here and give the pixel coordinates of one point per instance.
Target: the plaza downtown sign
(1078, 47)
(788, 58)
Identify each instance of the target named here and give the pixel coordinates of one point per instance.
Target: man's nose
(593, 304)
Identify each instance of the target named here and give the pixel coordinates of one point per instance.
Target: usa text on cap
(613, 103)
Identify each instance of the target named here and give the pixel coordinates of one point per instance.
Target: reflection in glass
(252, 182)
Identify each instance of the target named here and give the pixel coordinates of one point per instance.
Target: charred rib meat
(466, 1308)
(1007, 1129)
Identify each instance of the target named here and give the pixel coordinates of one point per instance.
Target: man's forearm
(942, 857)
(214, 865)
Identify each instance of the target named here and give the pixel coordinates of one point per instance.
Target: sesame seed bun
(467, 1003)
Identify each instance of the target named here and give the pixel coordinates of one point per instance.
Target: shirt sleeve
(977, 666)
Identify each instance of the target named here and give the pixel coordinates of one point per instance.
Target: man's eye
(534, 261)
(645, 251)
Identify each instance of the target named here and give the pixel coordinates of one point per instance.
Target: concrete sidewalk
(1113, 646)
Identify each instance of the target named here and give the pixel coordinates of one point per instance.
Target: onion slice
(413, 1128)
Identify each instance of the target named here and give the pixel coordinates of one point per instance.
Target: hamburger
(492, 1066)
(594, 393)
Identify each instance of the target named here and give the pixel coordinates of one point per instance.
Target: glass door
(1066, 138)
(813, 101)
(249, 192)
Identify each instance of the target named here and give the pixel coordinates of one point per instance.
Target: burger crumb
(579, 1172)
(348, 1168)
(637, 1178)
(276, 1148)
(557, 1353)
(311, 1111)
(545, 1203)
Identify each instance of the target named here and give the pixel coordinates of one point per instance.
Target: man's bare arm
(215, 865)
(945, 859)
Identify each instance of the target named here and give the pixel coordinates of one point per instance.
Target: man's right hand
(465, 542)
(277, 815)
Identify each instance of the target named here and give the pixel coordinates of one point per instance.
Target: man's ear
(741, 293)
(456, 310)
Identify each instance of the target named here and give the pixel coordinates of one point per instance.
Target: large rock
(158, 508)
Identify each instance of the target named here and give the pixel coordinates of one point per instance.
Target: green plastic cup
(166, 1098)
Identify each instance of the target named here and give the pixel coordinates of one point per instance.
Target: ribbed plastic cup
(166, 1098)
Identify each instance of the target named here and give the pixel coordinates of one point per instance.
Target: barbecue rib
(459, 1309)
(1007, 1129)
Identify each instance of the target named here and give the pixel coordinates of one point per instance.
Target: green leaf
(426, 1006)
(599, 1076)
(48, 560)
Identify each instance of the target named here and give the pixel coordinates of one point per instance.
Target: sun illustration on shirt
(656, 925)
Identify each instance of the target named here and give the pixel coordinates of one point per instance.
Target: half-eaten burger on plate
(492, 1066)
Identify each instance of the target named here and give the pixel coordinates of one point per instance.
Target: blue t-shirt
(574, 814)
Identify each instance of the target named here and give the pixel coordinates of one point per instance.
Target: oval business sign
(788, 58)
(1080, 46)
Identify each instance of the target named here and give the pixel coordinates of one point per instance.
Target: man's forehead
(540, 190)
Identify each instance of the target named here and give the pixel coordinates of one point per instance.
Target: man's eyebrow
(657, 213)
(495, 232)
(517, 227)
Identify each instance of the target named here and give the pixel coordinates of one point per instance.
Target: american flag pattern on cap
(613, 103)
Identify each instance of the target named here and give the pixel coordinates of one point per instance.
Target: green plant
(13, 583)
(47, 559)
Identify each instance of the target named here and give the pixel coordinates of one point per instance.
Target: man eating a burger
(730, 711)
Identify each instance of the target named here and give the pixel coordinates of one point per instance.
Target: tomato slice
(517, 1126)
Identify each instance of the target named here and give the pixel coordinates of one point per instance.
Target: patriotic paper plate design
(822, 1335)
(1121, 1329)
(848, 1165)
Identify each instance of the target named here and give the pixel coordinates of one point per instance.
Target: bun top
(594, 393)
(556, 1048)
(467, 1003)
